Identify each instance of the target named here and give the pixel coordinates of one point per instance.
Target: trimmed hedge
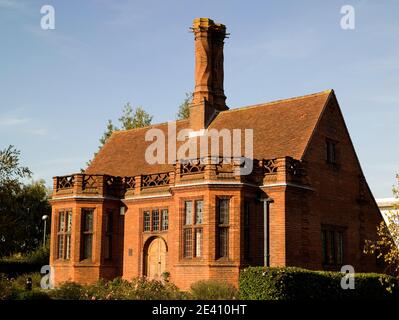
(260, 283)
(33, 295)
(14, 268)
(29, 263)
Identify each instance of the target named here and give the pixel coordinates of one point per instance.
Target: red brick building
(306, 202)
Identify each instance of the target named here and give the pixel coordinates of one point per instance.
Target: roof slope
(280, 128)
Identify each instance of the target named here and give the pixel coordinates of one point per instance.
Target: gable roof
(280, 128)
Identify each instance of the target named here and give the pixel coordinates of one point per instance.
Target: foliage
(386, 246)
(118, 289)
(21, 206)
(184, 108)
(21, 211)
(6, 289)
(68, 291)
(20, 281)
(213, 290)
(256, 283)
(166, 276)
(10, 169)
(144, 289)
(30, 262)
(15, 267)
(130, 119)
(40, 255)
(108, 132)
(36, 294)
(14, 288)
(137, 119)
(261, 283)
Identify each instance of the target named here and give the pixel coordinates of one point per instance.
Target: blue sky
(59, 87)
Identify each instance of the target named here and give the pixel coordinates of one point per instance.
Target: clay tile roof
(280, 128)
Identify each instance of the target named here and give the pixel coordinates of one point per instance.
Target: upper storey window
(331, 150)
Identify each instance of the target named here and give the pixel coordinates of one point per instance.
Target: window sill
(86, 262)
(62, 261)
(224, 263)
(191, 261)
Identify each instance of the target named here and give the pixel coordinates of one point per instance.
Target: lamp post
(44, 218)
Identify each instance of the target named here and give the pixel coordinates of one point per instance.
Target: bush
(145, 289)
(27, 263)
(68, 291)
(14, 289)
(40, 256)
(213, 290)
(20, 281)
(36, 294)
(13, 268)
(6, 289)
(259, 283)
(118, 289)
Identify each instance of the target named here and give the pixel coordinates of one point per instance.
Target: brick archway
(154, 258)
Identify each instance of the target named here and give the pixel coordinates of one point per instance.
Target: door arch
(155, 252)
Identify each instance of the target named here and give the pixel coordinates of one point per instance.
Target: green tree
(130, 119)
(184, 108)
(21, 206)
(107, 133)
(386, 245)
(10, 169)
(33, 199)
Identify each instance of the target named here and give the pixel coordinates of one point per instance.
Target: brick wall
(85, 271)
(335, 200)
(335, 196)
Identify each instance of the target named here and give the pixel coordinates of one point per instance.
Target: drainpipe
(266, 231)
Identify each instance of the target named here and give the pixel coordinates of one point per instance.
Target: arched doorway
(155, 258)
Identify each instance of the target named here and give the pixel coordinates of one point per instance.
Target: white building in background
(387, 204)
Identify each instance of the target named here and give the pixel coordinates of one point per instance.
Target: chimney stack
(208, 96)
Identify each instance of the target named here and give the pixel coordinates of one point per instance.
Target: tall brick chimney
(208, 97)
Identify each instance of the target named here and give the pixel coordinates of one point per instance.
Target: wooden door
(156, 259)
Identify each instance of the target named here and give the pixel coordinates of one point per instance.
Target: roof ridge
(115, 156)
(148, 127)
(235, 109)
(325, 92)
